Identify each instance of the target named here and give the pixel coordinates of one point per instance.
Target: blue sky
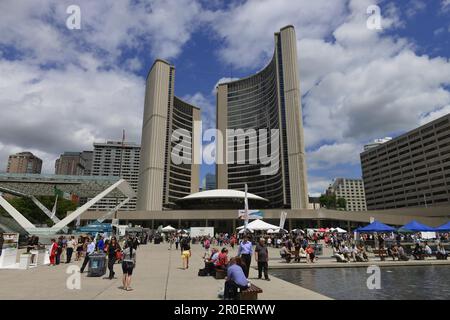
(61, 90)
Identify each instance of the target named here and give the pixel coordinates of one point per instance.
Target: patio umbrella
(415, 226)
(338, 230)
(375, 226)
(169, 228)
(444, 227)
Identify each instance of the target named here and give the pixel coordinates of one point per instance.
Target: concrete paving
(158, 275)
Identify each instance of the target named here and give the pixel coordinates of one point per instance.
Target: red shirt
(222, 260)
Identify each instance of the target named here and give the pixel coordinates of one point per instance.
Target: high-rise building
(74, 163)
(352, 190)
(210, 181)
(24, 162)
(88, 157)
(118, 159)
(161, 180)
(412, 170)
(268, 100)
(376, 143)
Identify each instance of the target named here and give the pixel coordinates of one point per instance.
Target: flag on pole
(283, 216)
(54, 208)
(246, 208)
(61, 194)
(250, 214)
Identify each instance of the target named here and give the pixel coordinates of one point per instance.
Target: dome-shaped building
(221, 199)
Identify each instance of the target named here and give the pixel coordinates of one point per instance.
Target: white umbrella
(298, 230)
(339, 230)
(169, 228)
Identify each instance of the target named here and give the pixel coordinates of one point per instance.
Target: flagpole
(246, 208)
(120, 166)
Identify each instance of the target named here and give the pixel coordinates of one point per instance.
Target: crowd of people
(63, 248)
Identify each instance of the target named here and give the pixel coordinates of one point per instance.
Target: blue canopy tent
(415, 226)
(443, 228)
(375, 226)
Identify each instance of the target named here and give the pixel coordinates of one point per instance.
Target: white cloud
(247, 28)
(317, 186)
(207, 107)
(357, 84)
(51, 111)
(107, 28)
(445, 5)
(330, 155)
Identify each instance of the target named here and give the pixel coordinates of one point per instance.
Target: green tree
(341, 203)
(328, 201)
(30, 211)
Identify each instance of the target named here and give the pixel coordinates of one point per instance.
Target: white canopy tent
(259, 225)
(338, 230)
(168, 228)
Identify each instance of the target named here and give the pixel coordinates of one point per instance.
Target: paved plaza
(158, 275)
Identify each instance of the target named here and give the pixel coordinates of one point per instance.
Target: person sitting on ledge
(235, 280)
(355, 253)
(211, 261)
(345, 252)
(363, 253)
(427, 250)
(393, 252)
(418, 252)
(301, 254)
(285, 254)
(441, 254)
(336, 253)
(310, 255)
(401, 254)
(222, 259)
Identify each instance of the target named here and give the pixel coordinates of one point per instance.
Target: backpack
(202, 272)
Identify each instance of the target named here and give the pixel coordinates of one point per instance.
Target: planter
(24, 262)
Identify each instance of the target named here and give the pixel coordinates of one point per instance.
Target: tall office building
(24, 162)
(88, 157)
(352, 190)
(376, 143)
(268, 100)
(412, 170)
(161, 180)
(120, 160)
(74, 163)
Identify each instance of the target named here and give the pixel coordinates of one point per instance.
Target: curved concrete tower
(161, 181)
(268, 100)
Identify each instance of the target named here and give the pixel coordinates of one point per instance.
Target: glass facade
(253, 103)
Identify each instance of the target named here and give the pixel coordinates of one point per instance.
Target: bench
(250, 294)
(220, 274)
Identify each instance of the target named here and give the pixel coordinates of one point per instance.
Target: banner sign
(252, 214)
(283, 216)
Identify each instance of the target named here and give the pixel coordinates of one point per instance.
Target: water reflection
(399, 283)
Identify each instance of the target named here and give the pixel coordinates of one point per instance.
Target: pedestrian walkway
(158, 275)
